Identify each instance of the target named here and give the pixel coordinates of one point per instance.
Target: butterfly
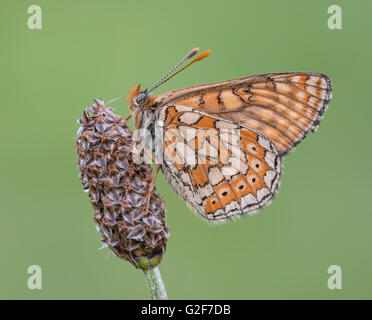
(221, 145)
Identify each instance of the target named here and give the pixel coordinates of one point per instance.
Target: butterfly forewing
(221, 168)
(283, 107)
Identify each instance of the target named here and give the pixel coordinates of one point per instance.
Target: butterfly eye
(141, 97)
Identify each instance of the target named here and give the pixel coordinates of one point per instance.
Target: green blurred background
(321, 217)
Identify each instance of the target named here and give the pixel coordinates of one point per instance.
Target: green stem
(155, 284)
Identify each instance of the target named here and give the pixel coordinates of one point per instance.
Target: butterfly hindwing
(284, 107)
(221, 168)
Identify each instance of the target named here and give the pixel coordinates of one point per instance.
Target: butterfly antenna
(169, 75)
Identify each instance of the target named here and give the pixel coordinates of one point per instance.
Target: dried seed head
(118, 189)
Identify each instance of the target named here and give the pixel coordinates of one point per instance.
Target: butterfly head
(138, 99)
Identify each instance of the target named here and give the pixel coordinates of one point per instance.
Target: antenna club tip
(192, 53)
(203, 55)
(207, 53)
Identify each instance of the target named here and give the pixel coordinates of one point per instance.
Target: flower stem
(155, 284)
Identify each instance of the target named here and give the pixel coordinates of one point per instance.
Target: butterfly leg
(151, 188)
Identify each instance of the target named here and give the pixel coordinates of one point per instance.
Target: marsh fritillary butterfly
(220, 145)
